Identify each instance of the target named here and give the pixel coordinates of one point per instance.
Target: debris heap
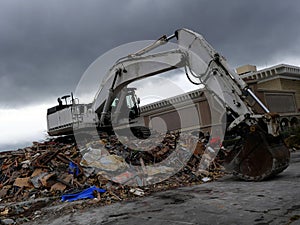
(36, 176)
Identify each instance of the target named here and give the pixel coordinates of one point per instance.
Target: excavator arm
(200, 61)
(131, 69)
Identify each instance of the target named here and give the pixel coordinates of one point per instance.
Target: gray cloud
(45, 46)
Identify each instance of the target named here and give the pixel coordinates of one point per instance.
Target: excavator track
(261, 156)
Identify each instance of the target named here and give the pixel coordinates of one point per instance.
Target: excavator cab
(125, 114)
(125, 106)
(134, 104)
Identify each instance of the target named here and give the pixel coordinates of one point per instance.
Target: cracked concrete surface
(227, 201)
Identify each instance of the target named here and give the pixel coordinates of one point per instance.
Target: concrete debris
(137, 191)
(36, 176)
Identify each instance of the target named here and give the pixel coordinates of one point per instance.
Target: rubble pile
(293, 140)
(36, 176)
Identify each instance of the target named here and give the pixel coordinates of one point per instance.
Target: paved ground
(227, 201)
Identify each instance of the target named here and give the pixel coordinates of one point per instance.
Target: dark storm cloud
(45, 46)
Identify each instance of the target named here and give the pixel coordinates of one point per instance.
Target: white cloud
(22, 125)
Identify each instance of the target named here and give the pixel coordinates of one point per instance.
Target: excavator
(255, 151)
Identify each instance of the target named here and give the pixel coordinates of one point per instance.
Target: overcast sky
(45, 46)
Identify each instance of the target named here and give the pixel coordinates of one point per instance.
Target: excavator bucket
(260, 156)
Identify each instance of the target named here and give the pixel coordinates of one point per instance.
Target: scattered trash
(137, 191)
(36, 179)
(206, 179)
(103, 162)
(73, 169)
(87, 193)
(5, 212)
